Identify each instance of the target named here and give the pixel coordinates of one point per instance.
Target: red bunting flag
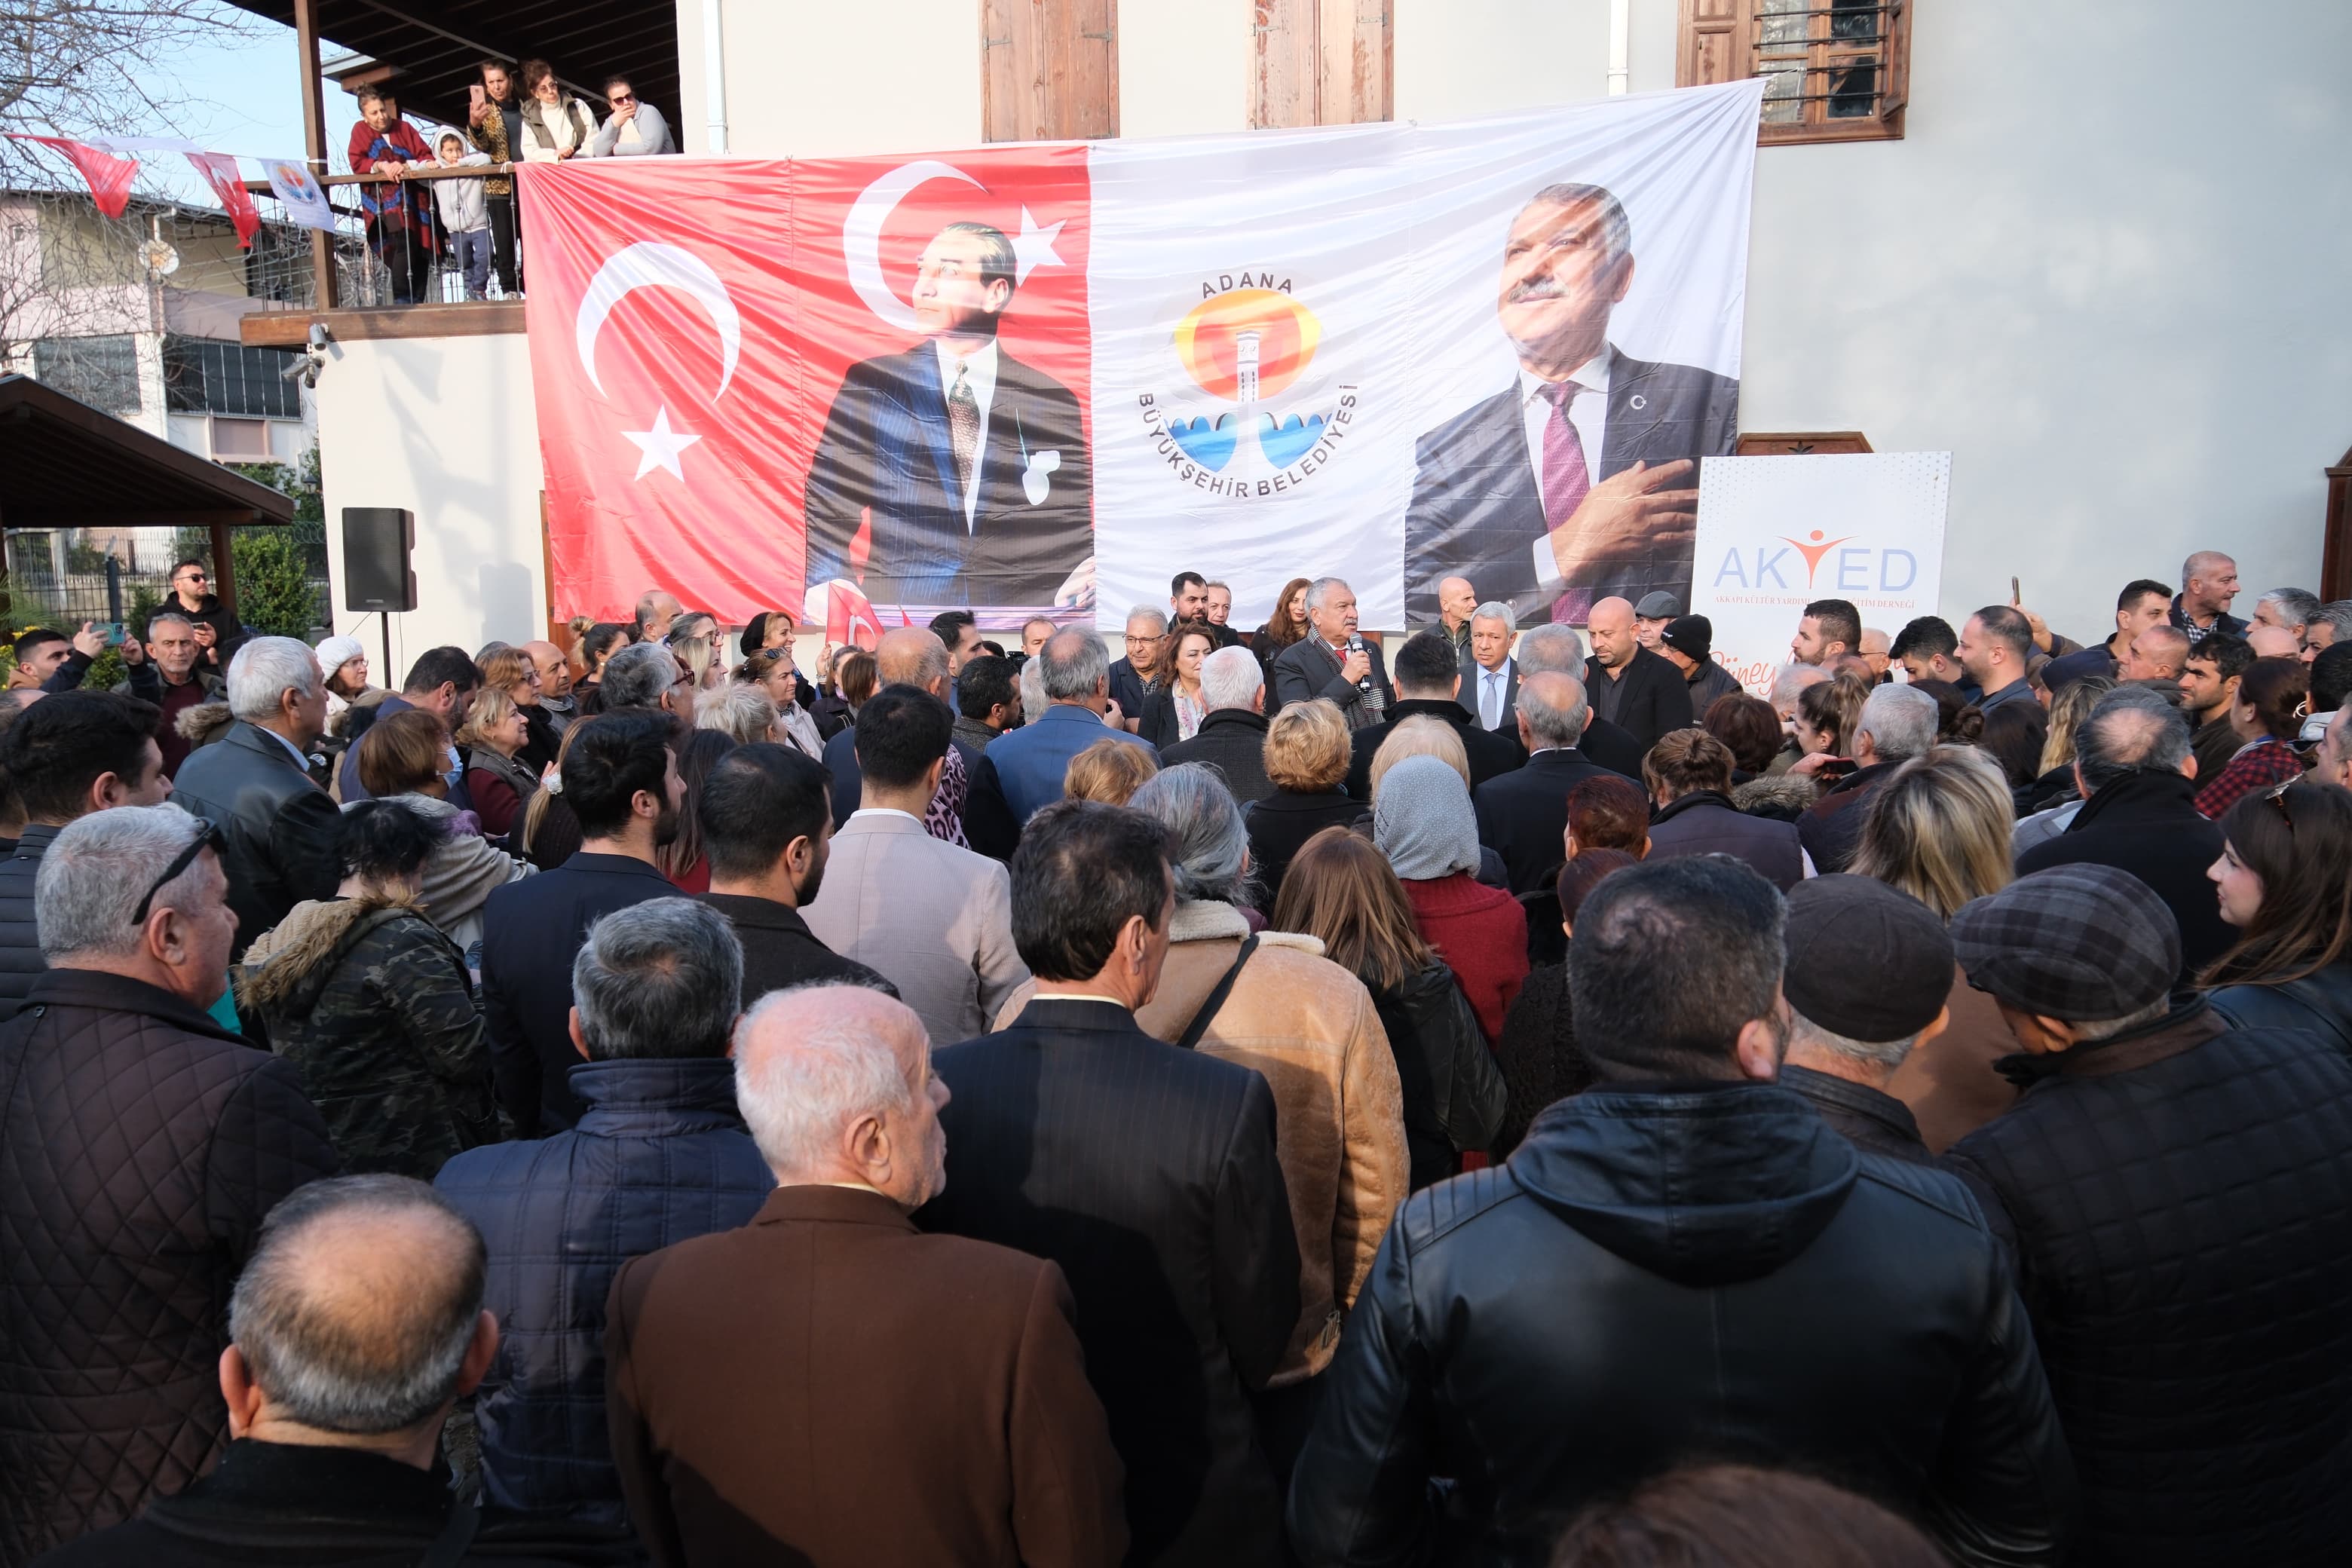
(110, 177)
(219, 170)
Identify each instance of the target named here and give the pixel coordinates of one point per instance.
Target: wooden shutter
(1714, 43)
(1048, 70)
(1321, 62)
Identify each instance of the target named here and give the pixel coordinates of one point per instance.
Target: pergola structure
(63, 464)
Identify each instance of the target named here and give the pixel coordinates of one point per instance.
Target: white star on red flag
(661, 444)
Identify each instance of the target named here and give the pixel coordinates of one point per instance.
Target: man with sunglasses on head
(145, 1141)
(220, 634)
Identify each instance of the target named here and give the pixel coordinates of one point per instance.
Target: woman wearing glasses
(2281, 882)
(633, 130)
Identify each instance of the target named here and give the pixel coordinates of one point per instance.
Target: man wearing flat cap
(1687, 642)
(2180, 1194)
(1869, 967)
(1652, 611)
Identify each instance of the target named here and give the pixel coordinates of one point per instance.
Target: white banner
(1327, 352)
(305, 200)
(1777, 534)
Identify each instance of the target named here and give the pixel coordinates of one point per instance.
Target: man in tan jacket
(934, 920)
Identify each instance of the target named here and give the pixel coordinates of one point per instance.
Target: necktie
(1490, 711)
(1566, 482)
(964, 428)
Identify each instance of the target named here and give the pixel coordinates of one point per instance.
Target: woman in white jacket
(555, 125)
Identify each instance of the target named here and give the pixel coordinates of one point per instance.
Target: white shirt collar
(1593, 375)
(297, 751)
(979, 366)
(885, 811)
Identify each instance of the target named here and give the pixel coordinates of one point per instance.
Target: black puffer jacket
(1454, 1094)
(21, 963)
(2321, 1003)
(2181, 1198)
(140, 1144)
(1659, 1274)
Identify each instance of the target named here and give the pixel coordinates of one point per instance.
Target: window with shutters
(1320, 62)
(1048, 70)
(1833, 70)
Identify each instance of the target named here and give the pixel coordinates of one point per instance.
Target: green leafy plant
(275, 594)
(106, 671)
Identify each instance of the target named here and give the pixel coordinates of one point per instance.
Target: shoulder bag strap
(1208, 1013)
(448, 1549)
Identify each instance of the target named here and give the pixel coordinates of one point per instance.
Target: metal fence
(62, 578)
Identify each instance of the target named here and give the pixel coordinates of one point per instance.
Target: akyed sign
(1777, 534)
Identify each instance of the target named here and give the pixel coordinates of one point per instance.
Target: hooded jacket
(376, 1012)
(1672, 1270)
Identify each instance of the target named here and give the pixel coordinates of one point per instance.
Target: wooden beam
(472, 319)
(314, 139)
(143, 517)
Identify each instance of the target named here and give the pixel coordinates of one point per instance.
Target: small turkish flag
(849, 619)
(109, 177)
(219, 170)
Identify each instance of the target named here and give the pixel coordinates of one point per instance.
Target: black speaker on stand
(377, 578)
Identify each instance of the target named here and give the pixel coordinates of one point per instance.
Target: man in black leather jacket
(1682, 1261)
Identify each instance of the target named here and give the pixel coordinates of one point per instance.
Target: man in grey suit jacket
(1579, 479)
(934, 920)
(1332, 662)
(1490, 675)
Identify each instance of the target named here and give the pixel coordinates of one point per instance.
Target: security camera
(313, 359)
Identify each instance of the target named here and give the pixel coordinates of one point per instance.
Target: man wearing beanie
(2181, 1194)
(1688, 643)
(1868, 970)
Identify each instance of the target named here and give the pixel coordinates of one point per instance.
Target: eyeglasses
(210, 838)
(619, 99)
(192, 577)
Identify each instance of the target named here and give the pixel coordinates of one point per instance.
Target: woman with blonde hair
(1108, 771)
(516, 673)
(1342, 891)
(1420, 736)
(1938, 829)
(2055, 769)
(401, 758)
(738, 709)
(500, 784)
(1307, 759)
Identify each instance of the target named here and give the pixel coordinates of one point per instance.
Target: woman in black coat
(2282, 884)
(1342, 892)
(1307, 756)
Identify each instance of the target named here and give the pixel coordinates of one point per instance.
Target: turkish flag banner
(1041, 378)
(109, 177)
(219, 170)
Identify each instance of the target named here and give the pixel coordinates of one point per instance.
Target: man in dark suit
(1577, 480)
(1631, 687)
(1428, 682)
(1490, 675)
(621, 780)
(277, 826)
(1523, 815)
(1331, 662)
(766, 830)
(1232, 736)
(952, 473)
(1024, 768)
(1147, 1173)
(887, 1397)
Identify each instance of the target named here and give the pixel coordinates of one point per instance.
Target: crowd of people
(1496, 1096)
(470, 223)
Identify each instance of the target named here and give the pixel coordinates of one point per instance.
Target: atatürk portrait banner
(1045, 378)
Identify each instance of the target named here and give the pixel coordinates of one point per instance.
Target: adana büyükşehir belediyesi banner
(1050, 375)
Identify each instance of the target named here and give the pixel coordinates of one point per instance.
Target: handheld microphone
(1356, 645)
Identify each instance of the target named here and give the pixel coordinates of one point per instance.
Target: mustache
(1536, 289)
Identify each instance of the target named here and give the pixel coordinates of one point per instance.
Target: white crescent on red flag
(1047, 376)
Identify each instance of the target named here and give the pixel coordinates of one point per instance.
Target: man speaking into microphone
(965, 468)
(1332, 661)
(1578, 480)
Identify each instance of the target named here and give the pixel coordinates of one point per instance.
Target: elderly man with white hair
(1232, 736)
(145, 1141)
(1897, 723)
(1557, 649)
(1331, 662)
(1490, 675)
(957, 1424)
(276, 824)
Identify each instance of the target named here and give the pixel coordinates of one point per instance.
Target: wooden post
(2335, 533)
(223, 567)
(314, 139)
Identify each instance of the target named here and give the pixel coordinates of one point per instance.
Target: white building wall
(445, 428)
(816, 78)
